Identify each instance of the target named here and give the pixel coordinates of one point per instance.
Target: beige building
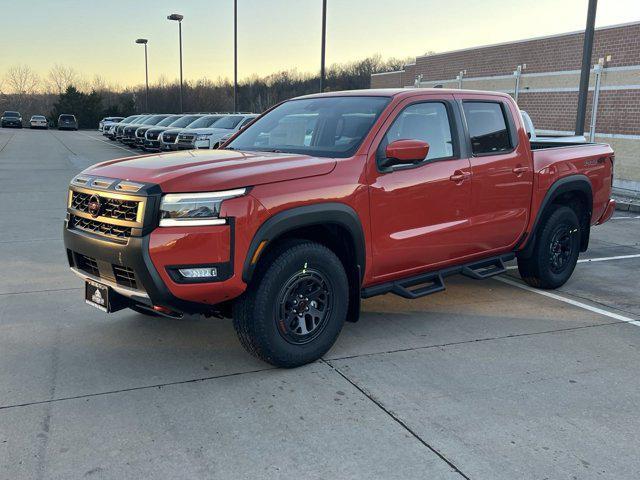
(543, 74)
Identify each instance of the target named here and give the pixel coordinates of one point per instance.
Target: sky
(98, 37)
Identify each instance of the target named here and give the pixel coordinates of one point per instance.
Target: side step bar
(432, 282)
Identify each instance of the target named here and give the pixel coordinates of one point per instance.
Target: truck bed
(559, 143)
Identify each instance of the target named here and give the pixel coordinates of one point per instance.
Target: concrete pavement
(482, 381)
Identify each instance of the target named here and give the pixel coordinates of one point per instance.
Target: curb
(627, 207)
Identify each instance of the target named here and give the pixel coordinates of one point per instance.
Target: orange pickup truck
(330, 198)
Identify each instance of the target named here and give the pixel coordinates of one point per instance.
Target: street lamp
(235, 56)
(144, 41)
(178, 18)
(324, 41)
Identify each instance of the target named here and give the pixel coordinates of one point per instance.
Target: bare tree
(22, 80)
(60, 77)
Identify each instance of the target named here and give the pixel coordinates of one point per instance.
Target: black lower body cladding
(134, 255)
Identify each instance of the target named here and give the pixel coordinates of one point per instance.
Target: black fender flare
(330, 213)
(570, 183)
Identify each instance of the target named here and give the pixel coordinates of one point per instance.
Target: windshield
(168, 121)
(184, 121)
(11, 114)
(152, 120)
(67, 117)
(130, 119)
(228, 123)
(323, 126)
(205, 122)
(38, 117)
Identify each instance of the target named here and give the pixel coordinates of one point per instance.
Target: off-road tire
(538, 270)
(256, 317)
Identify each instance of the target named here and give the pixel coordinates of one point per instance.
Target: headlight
(204, 136)
(195, 209)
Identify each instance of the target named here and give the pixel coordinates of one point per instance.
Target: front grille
(88, 264)
(168, 138)
(186, 138)
(111, 207)
(101, 228)
(125, 276)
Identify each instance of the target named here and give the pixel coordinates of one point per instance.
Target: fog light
(208, 272)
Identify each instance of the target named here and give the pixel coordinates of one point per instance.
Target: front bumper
(151, 144)
(142, 266)
(168, 147)
(202, 144)
(152, 259)
(185, 146)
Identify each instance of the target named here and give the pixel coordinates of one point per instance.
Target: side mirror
(405, 151)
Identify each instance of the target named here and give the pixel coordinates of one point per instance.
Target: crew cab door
(501, 166)
(419, 212)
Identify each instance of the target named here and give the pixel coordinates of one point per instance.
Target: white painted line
(604, 259)
(110, 143)
(575, 303)
(625, 218)
(598, 259)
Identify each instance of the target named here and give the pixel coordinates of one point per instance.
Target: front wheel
(293, 311)
(555, 253)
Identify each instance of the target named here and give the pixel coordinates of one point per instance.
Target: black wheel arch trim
(570, 183)
(330, 213)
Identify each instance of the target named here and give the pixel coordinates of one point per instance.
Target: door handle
(459, 176)
(520, 170)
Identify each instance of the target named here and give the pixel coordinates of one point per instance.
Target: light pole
(144, 41)
(324, 41)
(235, 56)
(587, 50)
(178, 18)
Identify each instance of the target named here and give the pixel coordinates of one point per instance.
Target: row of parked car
(11, 118)
(166, 132)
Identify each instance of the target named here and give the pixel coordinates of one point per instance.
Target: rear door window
(487, 128)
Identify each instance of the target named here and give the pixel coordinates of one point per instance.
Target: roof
(398, 92)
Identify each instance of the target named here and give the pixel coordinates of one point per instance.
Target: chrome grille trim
(115, 208)
(120, 216)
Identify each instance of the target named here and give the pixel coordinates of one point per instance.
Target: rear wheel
(555, 253)
(293, 311)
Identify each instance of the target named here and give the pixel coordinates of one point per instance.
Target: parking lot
(488, 380)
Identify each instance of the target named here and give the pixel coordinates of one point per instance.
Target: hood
(209, 170)
(156, 129)
(210, 130)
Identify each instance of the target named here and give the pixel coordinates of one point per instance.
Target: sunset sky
(97, 37)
